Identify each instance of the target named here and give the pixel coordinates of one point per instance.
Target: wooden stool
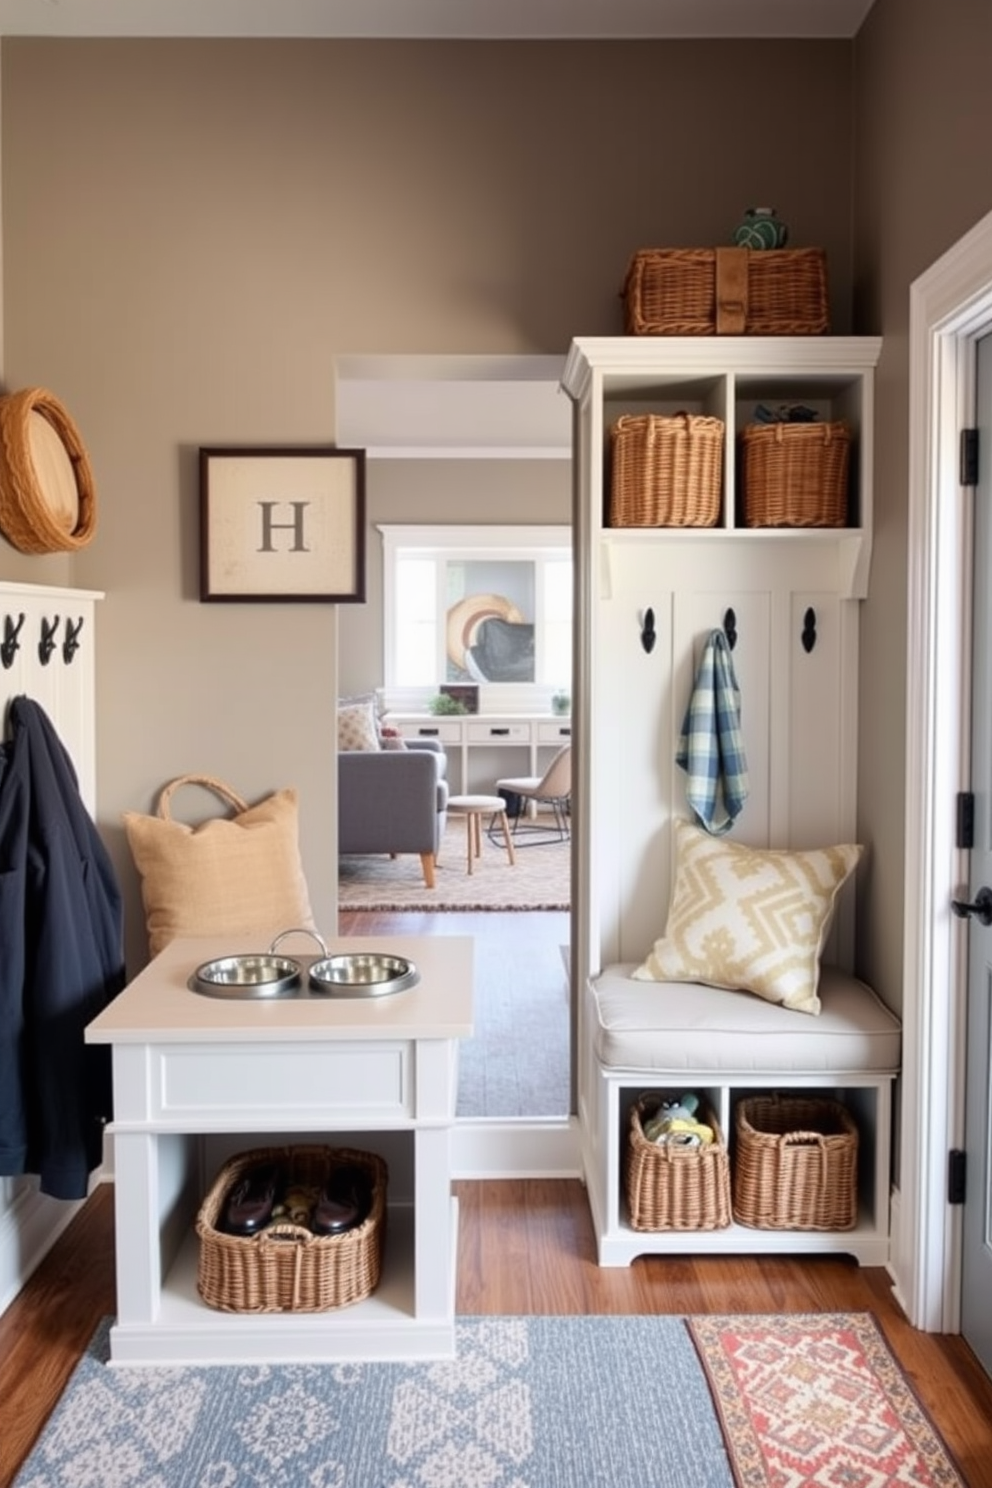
(474, 808)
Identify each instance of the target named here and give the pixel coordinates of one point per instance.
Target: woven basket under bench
(286, 1268)
(675, 1188)
(795, 1164)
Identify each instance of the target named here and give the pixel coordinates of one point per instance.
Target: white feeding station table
(198, 1079)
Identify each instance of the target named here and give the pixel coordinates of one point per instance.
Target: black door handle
(982, 907)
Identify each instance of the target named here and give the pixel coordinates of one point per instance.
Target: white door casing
(950, 309)
(976, 1251)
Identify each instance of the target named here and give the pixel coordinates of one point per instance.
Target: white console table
(525, 743)
(199, 1078)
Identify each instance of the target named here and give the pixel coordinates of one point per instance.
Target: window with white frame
(478, 605)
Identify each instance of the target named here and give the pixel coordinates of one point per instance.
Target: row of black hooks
(48, 644)
(807, 636)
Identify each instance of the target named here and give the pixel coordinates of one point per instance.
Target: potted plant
(442, 705)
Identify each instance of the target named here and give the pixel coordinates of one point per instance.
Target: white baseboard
(30, 1224)
(516, 1148)
(897, 1249)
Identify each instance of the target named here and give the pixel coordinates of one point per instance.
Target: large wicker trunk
(726, 292)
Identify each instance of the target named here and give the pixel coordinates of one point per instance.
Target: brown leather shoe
(249, 1204)
(345, 1201)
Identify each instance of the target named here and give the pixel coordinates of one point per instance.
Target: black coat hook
(808, 636)
(47, 643)
(730, 628)
(10, 644)
(71, 643)
(648, 632)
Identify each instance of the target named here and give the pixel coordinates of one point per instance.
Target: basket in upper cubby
(726, 292)
(665, 471)
(795, 474)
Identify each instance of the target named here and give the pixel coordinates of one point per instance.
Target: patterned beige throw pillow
(357, 731)
(749, 918)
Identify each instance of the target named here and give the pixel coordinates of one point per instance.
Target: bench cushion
(686, 1026)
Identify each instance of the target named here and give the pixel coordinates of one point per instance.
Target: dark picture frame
(282, 524)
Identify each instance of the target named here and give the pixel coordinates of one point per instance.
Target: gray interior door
(976, 1293)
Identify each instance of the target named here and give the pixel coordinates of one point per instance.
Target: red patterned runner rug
(816, 1400)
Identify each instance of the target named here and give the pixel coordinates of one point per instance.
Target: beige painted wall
(923, 117)
(194, 231)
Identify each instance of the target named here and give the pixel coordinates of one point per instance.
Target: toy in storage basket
(671, 1187)
(286, 1268)
(795, 1164)
(665, 471)
(796, 474)
(726, 292)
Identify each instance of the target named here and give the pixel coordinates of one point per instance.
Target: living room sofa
(394, 801)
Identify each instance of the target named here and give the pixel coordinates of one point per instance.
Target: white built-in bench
(675, 1037)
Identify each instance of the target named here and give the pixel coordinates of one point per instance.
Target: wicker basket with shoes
(795, 1164)
(286, 1267)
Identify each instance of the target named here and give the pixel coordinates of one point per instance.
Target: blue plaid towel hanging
(710, 749)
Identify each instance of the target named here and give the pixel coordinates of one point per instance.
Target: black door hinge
(956, 1165)
(966, 819)
(969, 457)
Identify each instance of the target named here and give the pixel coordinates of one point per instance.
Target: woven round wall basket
(47, 499)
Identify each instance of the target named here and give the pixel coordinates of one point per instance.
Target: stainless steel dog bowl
(362, 974)
(247, 976)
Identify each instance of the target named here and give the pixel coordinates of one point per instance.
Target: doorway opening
(475, 440)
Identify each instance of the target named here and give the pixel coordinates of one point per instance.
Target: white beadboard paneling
(30, 1222)
(64, 688)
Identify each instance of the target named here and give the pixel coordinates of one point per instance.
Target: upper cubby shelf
(730, 379)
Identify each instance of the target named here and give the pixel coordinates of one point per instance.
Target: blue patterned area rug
(528, 1402)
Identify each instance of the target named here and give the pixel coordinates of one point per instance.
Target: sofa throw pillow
(748, 918)
(228, 876)
(357, 727)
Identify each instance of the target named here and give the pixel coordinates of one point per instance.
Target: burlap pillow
(227, 876)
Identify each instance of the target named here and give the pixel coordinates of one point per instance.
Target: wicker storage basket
(795, 1164)
(675, 1188)
(665, 472)
(795, 475)
(726, 292)
(286, 1268)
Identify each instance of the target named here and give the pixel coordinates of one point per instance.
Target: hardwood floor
(525, 1247)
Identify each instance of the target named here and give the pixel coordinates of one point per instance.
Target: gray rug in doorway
(535, 1402)
(517, 1062)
